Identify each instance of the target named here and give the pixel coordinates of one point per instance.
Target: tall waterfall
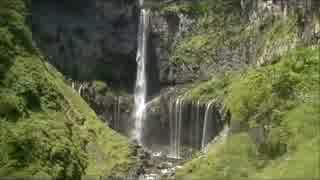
(141, 83)
(205, 124)
(175, 128)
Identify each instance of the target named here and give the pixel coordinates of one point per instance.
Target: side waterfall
(141, 83)
(197, 126)
(175, 128)
(116, 113)
(205, 124)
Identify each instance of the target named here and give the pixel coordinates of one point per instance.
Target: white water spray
(141, 83)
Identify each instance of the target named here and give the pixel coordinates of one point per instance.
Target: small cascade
(192, 129)
(141, 82)
(194, 124)
(80, 89)
(175, 127)
(197, 125)
(205, 139)
(179, 128)
(116, 113)
(220, 138)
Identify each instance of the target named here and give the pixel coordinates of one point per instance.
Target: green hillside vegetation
(46, 129)
(221, 25)
(282, 100)
(274, 103)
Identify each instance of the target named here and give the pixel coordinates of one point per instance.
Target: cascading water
(80, 89)
(197, 126)
(141, 83)
(175, 128)
(116, 113)
(204, 140)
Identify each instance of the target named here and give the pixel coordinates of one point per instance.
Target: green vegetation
(282, 100)
(213, 88)
(274, 106)
(46, 129)
(274, 103)
(222, 25)
(234, 159)
(216, 21)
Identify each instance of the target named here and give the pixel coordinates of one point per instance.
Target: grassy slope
(45, 127)
(281, 98)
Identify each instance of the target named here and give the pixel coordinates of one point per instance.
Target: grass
(233, 159)
(46, 129)
(283, 101)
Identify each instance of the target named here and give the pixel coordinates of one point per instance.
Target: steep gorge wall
(97, 40)
(89, 40)
(190, 46)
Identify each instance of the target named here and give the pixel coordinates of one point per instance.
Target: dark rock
(89, 40)
(167, 30)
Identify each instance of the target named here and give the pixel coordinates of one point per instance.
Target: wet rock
(165, 165)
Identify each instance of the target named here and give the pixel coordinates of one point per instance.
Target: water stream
(186, 120)
(175, 128)
(197, 126)
(116, 113)
(141, 82)
(205, 139)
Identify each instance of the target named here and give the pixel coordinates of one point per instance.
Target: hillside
(46, 129)
(265, 73)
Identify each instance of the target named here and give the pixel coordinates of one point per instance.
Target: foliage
(281, 99)
(233, 159)
(46, 129)
(215, 22)
(213, 88)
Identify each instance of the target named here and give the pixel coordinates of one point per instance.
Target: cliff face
(168, 28)
(96, 40)
(193, 43)
(89, 40)
(262, 63)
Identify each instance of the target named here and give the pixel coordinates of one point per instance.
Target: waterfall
(219, 139)
(141, 2)
(116, 113)
(141, 85)
(197, 126)
(80, 89)
(192, 128)
(205, 124)
(179, 127)
(175, 127)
